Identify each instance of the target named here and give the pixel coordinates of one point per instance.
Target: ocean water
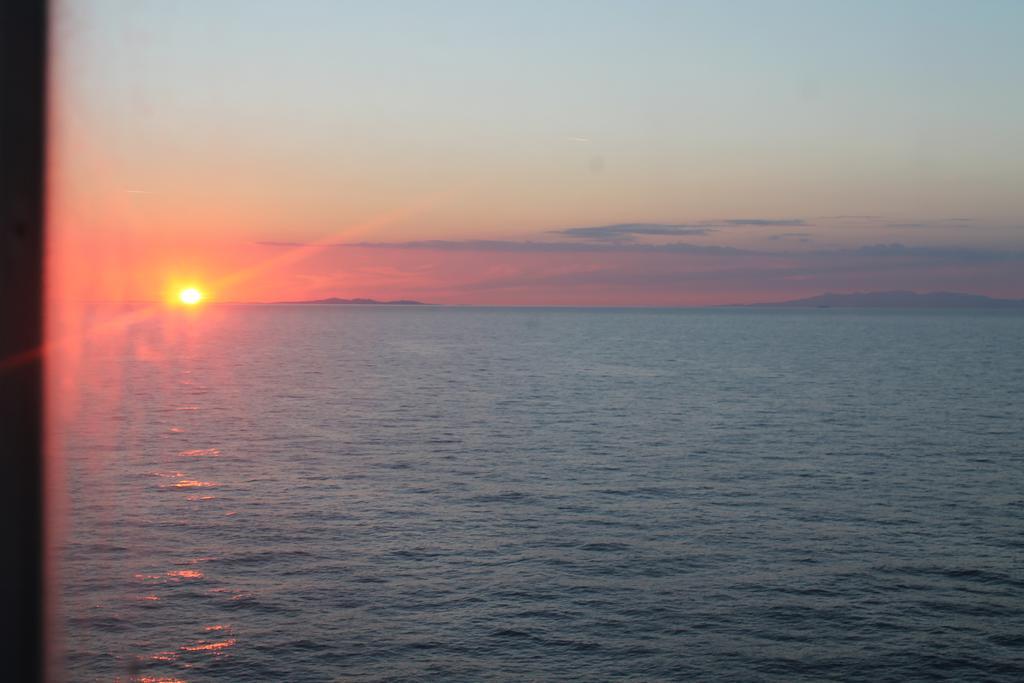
(324, 493)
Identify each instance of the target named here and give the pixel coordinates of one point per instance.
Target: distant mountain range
(356, 302)
(900, 300)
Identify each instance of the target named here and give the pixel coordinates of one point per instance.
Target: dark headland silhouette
(356, 302)
(899, 300)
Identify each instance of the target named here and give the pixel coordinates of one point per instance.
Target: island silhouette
(356, 302)
(890, 299)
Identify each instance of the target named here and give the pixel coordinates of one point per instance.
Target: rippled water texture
(314, 493)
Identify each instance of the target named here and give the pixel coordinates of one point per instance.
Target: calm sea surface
(392, 493)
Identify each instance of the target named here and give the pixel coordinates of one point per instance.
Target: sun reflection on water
(215, 646)
(165, 656)
(153, 441)
(193, 484)
(185, 574)
(200, 452)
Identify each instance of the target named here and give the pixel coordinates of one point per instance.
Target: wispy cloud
(798, 236)
(963, 255)
(866, 256)
(873, 266)
(772, 222)
(884, 222)
(571, 272)
(938, 223)
(526, 246)
(627, 231)
(891, 250)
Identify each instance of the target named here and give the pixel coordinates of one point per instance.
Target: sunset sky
(563, 153)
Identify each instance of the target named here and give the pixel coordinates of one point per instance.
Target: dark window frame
(23, 88)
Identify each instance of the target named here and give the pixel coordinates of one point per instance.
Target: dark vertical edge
(23, 52)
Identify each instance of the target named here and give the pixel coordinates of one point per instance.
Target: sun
(190, 296)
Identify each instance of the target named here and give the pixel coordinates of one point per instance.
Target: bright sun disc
(190, 296)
